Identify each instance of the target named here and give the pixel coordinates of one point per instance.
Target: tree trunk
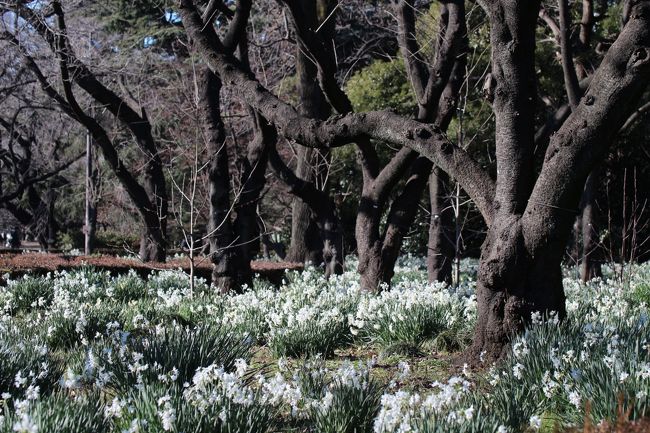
(401, 216)
(228, 272)
(152, 245)
(512, 284)
(321, 206)
(332, 246)
(367, 228)
(252, 177)
(307, 244)
(92, 184)
(370, 265)
(440, 251)
(590, 266)
(51, 224)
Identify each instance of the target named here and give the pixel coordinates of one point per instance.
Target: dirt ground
(41, 263)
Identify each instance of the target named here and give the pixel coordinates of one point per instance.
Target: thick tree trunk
(512, 284)
(370, 268)
(440, 251)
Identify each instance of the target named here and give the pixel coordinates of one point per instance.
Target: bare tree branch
(341, 130)
(570, 77)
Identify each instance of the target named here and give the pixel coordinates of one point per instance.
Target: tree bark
(91, 184)
(307, 244)
(322, 205)
(370, 242)
(228, 271)
(252, 180)
(519, 271)
(590, 266)
(401, 216)
(512, 284)
(440, 251)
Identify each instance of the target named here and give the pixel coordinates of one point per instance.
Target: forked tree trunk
(437, 105)
(367, 228)
(401, 216)
(440, 251)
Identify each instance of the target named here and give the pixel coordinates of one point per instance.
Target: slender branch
(213, 7)
(550, 22)
(571, 83)
(237, 28)
(413, 60)
(638, 114)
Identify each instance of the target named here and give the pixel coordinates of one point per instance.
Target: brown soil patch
(639, 426)
(41, 263)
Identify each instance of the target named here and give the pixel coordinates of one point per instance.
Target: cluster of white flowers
(409, 301)
(400, 410)
(608, 331)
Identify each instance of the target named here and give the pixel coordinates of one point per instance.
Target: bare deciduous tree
(150, 198)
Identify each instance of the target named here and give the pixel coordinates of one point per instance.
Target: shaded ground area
(40, 263)
(621, 426)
